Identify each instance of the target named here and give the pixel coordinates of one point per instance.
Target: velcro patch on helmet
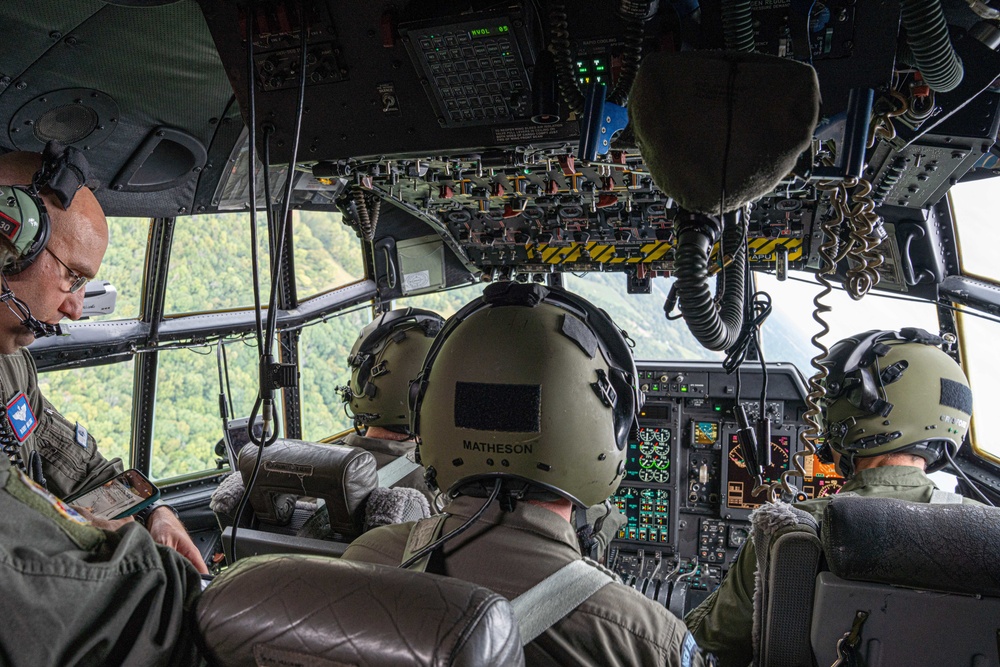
(956, 395)
(580, 334)
(498, 407)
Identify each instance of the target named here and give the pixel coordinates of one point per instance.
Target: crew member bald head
(76, 246)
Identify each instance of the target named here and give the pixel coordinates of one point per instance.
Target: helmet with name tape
(531, 385)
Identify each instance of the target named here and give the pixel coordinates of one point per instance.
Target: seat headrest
(342, 476)
(295, 609)
(954, 548)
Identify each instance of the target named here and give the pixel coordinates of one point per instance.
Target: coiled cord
(366, 221)
(569, 88)
(867, 233)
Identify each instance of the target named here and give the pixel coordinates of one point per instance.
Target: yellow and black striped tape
(761, 250)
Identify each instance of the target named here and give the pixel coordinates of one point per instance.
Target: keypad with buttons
(474, 70)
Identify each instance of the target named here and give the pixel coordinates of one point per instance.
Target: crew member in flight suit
(896, 405)
(384, 359)
(54, 261)
(74, 591)
(523, 411)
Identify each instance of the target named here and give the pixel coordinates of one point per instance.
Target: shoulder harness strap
(551, 599)
(396, 470)
(939, 497)
(423, 533)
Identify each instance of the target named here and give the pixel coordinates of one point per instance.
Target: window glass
(107, 413)
(982, 364)
(123, 265)
(787, 331)
(323, 350)
(327, 252)
(641, 315)
(210, 267)
(975, 217)
(187, 424)
(446, 303)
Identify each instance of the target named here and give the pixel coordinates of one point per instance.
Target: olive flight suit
(723, 623)
(510, 552)
(76, 595)
(69, 458)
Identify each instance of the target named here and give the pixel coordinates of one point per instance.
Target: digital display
(655, 411)
(489, 31)
(648, 458)
(704, 434)
(821, 479)
(593, 69)
(740, 484)
(647, 512)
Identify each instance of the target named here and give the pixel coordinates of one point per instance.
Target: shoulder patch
(689, 649)
(25, 490)
(20, 417)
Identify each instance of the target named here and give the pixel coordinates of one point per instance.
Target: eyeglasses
(76, 280)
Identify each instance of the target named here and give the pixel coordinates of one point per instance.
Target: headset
(24, 221)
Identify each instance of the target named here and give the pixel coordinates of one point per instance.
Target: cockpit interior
(339, 159)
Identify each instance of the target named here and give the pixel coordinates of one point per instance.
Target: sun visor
(721, 125)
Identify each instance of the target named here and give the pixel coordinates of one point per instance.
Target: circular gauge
(661, 476)
(647, 461)
(648, 448)
(645, 435)
(662, 462)
(646, 475)
(662, 435)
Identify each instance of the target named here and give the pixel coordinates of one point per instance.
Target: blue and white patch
(81, 435)
(20, 417)
(689, 649)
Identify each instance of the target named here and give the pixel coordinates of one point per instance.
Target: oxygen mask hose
(717, 327)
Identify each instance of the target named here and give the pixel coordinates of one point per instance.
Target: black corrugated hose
(932, 51)
(715, 326)
(737, 25)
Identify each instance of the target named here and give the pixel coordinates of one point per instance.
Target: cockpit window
(641, 315)
(983, 367)
(123, 266)
(444, 304)
(974, 204)
(788, 330)
(210, 263)
(327, 252)
(323, 351)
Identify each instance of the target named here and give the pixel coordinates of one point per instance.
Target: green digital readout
(489, 31)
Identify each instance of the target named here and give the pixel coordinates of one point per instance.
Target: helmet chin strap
(22, 312)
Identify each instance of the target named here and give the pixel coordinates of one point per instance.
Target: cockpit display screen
(821, 479)
(647, 512)
(740, 484)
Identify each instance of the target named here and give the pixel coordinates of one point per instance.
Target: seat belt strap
(553, 598)
(423, 533)
(396, 470)
(939, 497)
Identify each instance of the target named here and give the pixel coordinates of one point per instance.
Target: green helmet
(893, 391)
(386, 356)
(530, 385)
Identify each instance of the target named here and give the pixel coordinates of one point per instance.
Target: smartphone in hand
(119, 497)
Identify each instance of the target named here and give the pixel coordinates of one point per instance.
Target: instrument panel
(687, 493)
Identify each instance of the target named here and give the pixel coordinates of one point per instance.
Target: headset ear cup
(28, 245)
